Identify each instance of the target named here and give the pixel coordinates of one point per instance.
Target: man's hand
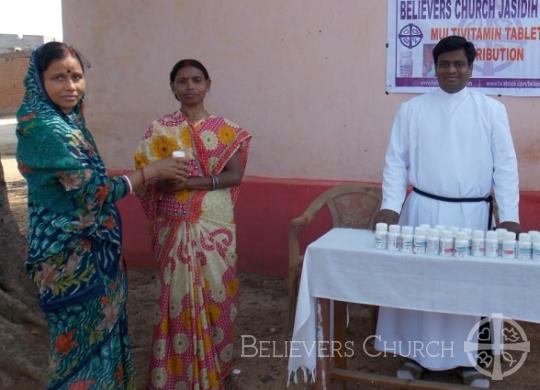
(511, 226)
(387, 216)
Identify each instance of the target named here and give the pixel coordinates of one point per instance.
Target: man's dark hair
(453, 43)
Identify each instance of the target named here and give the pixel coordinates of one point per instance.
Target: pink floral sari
(195, 242)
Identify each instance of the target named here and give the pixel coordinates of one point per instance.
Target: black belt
(488, 199)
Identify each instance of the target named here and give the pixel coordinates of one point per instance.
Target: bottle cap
(420, 231)
(407, 230)
(433, 233)
(492, 235)
(478, 233)
(381, 227)
(424, 226)
(446, 233)
(462, 236)
(453, 229)
(535, 235)
(440, 227)
(509, 236)
(467, 231)
(179, 154)
(524, 237)
(394, 228)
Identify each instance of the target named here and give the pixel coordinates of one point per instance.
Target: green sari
(74, 238)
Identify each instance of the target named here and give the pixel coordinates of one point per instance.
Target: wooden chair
(350, 205)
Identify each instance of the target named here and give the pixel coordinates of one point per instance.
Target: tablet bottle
(524, 246)
(478, 244)
(393, 238)
(492, 244)
(381, 234)
(509, 245)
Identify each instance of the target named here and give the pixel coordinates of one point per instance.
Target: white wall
(305, 76)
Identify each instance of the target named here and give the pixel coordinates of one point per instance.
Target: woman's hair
(188, 62)
(53, 51)
(453, 43)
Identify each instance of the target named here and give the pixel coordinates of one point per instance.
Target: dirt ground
(263, 314)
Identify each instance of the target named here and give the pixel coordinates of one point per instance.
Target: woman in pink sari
(194, 237)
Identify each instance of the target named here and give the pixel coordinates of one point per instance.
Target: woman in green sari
(74, 226)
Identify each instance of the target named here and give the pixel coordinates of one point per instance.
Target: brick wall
(13, 68)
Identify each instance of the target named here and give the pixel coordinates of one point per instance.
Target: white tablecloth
(344, 265)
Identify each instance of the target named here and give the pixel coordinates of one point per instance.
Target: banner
(506, 34)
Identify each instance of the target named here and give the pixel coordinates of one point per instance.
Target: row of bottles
(453, 241)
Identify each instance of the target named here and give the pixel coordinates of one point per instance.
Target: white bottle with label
(447, 244)
(393, 238)
(468, 232)
(432, 247)
(406, 63)
(420, 243)
(509, 245)
(500, 237)
(461, 246)
(381, 234)
(535, 235)
(536, 250)
(478, 244)
(524, 247)
(492, 244)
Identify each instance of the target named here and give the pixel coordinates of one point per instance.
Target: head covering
(36, 103)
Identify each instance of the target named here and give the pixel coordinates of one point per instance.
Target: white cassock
(454, 145)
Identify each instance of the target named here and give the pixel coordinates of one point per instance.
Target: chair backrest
(351, 205)
(355, 205)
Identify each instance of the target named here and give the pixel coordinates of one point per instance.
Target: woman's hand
(172, 168)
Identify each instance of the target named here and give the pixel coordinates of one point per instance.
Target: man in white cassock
(454, 144)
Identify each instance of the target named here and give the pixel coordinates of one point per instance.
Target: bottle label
(380, 240)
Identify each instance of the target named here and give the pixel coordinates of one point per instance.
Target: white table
(343, 265)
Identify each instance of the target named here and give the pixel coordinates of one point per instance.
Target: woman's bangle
(128, 182)
(215, 181)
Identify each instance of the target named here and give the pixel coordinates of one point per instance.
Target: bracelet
(143, 177)
(217, 181)
(128, 182)
(213, 182)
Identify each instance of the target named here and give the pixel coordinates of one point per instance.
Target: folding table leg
(340, 333)
(323, 350)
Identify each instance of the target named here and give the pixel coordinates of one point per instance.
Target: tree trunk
(23, 330)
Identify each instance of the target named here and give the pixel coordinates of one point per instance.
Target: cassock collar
(453, 97)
